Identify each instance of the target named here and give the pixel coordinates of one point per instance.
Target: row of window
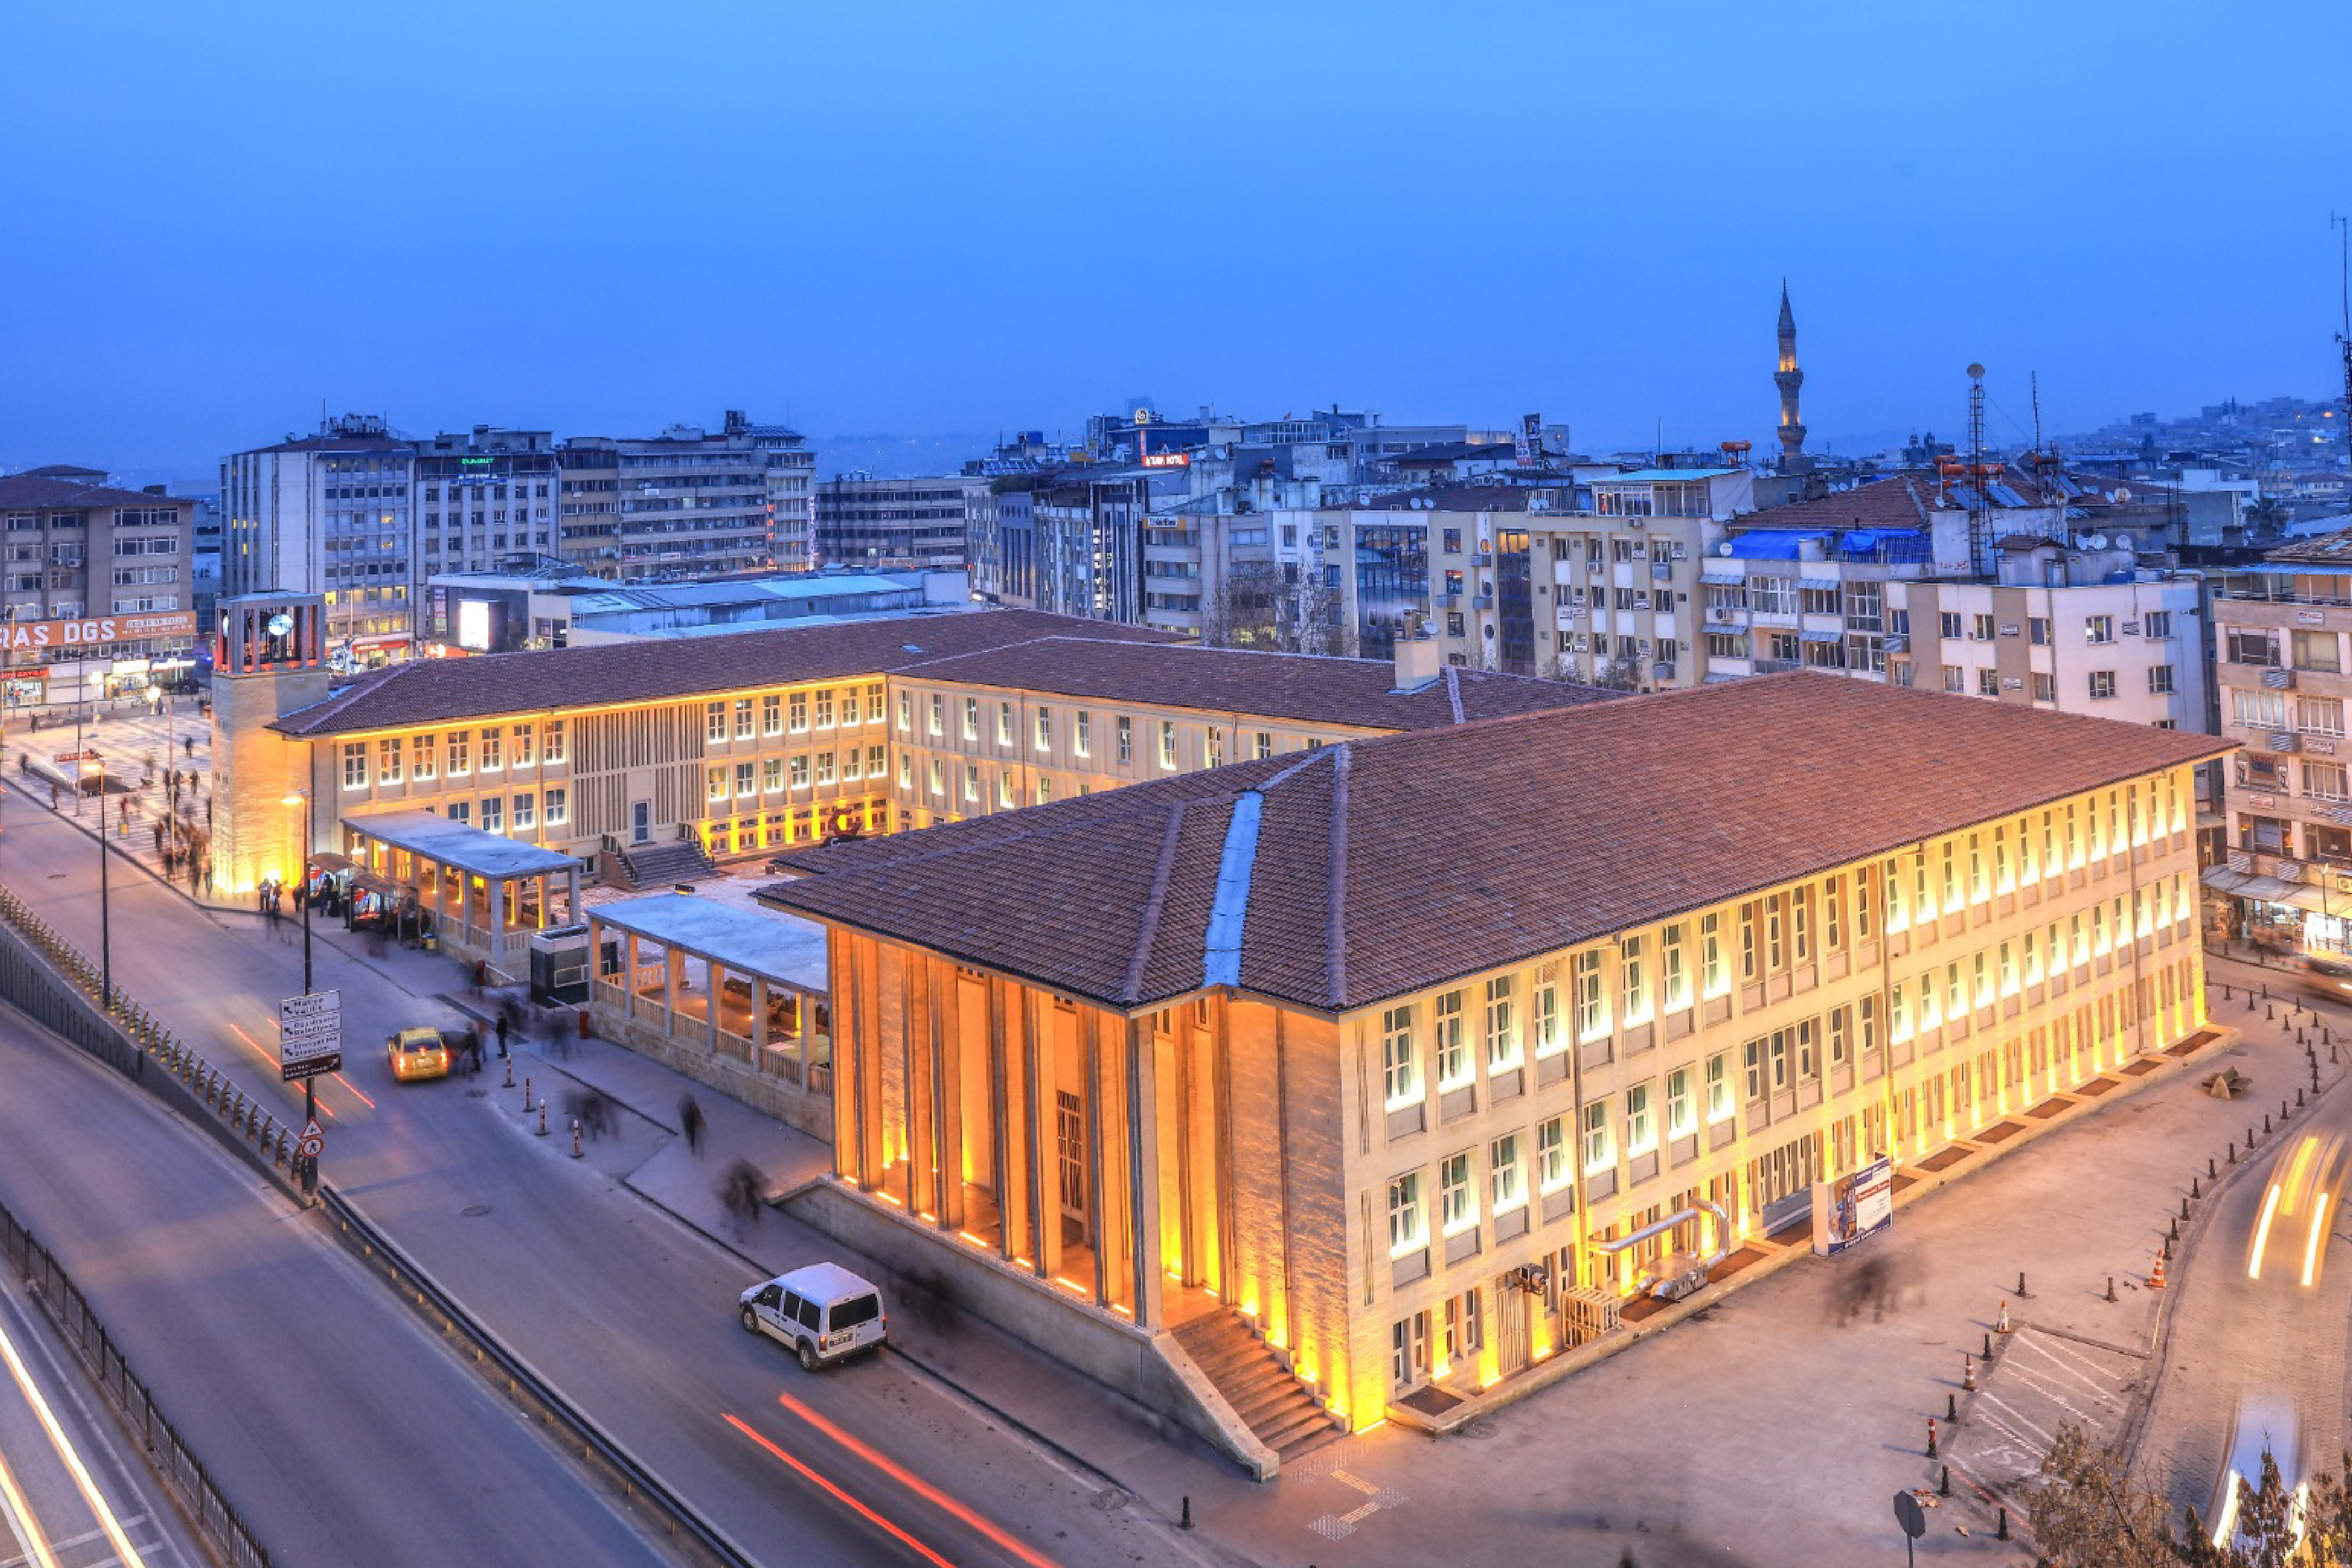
(520, 813)
(1927, 1000)
(773, 775)
(795, 713)
(2266, 710)
(2100, 685)
(2097, 630)
(2319, 651)
(997, 718)
(425, 757)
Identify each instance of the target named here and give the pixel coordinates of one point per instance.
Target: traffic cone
(2156, 1281)
(2002, 1326)
(1931, 1437)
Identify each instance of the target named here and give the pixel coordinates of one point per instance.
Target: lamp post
(310, 1089)
(105, 915)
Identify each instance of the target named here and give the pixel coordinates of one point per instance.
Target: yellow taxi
(418, 1053)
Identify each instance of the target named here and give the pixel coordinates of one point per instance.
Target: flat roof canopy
(458, 845)
(783, 948)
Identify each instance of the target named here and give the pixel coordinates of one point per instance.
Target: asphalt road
(630, 1313)
(67, 1492)
(330, 1419)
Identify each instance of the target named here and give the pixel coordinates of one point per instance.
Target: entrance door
(1070, 1153)
(641, 821)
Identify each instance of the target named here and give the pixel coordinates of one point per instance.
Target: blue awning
(1811, 635)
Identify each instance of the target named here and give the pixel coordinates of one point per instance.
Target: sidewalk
(1093, 1430)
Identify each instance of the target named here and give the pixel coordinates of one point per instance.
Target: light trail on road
(835, 1491)
(70, 1457)
(914, 1483)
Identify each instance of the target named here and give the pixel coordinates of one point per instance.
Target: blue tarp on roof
(1875, 544)
(1775, 546)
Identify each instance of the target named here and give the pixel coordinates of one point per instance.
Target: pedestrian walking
(689, 1117)
(474, 1040)
(188, 745)
(159, 838)
(504, 1027)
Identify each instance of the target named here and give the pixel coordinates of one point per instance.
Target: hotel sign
(99, 629)
(1167, 459)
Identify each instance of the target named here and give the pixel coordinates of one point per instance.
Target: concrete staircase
(1274, 1405)
(657, 866)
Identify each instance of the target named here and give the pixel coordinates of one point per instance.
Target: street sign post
(313, 1138)
(1914, 1521)
(309, 1035)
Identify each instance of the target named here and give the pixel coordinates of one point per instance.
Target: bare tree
(1245, 610)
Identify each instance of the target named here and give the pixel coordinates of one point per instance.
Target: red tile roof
(1387, 865)
(51, 490)
(656, 669)
(1305, 686)
(1902, 501)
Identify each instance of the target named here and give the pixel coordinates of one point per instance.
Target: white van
(823, 1312)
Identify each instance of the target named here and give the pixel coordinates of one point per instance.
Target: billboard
(1857, 1206)
(15, 635)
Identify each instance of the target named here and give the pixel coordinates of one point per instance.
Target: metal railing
(679, 1520)
(213, 1515)
(121, 1033)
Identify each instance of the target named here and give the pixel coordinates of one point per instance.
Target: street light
(310, 1084)
(302, 799)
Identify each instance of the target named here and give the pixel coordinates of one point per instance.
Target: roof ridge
(1335, 930)
(1147, 927)
(1221, 943)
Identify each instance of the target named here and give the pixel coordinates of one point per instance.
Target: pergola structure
(734, 999)
(482, 891)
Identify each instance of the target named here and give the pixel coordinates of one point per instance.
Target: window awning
(460, 845)
(1813, 634)
(1723, 575)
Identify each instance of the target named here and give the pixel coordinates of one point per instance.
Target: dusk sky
(862, 217)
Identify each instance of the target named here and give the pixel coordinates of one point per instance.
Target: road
(630, 1313)
(2261, 1304)
(324, 1412)
(67, 1494)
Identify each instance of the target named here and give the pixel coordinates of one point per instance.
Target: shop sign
(2310, 618)
(1858, 1204)
(99, 629)
(2319, 744)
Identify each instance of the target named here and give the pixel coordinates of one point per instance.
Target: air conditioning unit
(2286, 741)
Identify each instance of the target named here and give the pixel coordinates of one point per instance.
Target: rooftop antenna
(1979, 547)
(2343, 338)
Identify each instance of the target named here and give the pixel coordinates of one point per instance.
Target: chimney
(1419, 661)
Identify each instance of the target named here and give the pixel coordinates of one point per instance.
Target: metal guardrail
(213, 1515)
(126, 1037)
(684, 1525)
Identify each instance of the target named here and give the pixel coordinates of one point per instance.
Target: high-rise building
(485, 497)
(685, 503)
(330, 514)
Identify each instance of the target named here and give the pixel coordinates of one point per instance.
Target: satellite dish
(1976, 373)
(2096, 542)
(2122, 542)
(2123, 494)
(1724, 548)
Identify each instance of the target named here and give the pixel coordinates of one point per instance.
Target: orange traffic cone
(2156, 1281)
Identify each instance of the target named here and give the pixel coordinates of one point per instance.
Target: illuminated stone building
(1398, 1063)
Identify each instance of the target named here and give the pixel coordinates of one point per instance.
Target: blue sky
(955, 216)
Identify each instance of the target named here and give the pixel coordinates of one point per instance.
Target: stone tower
(1790, 379)
(267, 664)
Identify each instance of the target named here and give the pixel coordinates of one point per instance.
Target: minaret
(1789, 378)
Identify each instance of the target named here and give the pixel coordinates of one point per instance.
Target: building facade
(1367, 1051)
(882, 524)
(2280, 654)
(330, 514)
(99, 591)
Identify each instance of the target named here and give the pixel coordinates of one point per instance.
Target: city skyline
(894, 229)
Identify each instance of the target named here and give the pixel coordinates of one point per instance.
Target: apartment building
(685, 503)
(330, 514)
(100, 591)
(2281, 672)
(1618, 587)
(1411, 1059)
(485, 496)
(881, 524)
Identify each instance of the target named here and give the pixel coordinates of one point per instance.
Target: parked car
(419, 1053)
(823, 1312)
